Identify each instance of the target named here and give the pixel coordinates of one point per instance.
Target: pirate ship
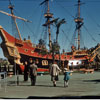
(18, 51)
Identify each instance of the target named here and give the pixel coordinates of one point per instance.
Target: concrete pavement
(80, 86)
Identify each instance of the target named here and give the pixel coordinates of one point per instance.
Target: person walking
(54, 71)
(66, 76)
(32, 71)
(26, 70)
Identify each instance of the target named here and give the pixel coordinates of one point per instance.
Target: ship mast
(11, 7)
(79, 23)
(48, 16)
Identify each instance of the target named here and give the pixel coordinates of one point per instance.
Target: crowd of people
(31, 70)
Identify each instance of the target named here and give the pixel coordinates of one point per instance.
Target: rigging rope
(38, 26)
(66, 38)
(24, 23)
(72, 41)
(30, 30)
(67, 33)
(82, 41)
(92, 19)
(45, 35)
(14, 29)
(89, 34)
(52, 35)
(65, 9)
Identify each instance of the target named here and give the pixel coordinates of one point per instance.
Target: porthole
(26, 50)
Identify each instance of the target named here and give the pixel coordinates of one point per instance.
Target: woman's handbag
(56, 78)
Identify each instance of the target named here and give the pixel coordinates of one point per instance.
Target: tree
(41, 42)
(55, 49)
(42, 46)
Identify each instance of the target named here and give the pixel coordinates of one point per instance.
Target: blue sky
(31, 10)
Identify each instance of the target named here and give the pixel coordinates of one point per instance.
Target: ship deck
(80, 86)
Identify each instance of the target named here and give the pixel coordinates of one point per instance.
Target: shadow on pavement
(97, 81)
(59, 97)
(11, 83)
(22, 83)
(44, 85)
(48, 86)
(65, 97)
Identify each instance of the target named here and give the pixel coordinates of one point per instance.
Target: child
(66, 77)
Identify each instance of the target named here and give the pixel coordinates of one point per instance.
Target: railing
(94, 52)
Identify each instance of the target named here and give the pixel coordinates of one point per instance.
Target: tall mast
(79, 23)
(11, 7)
(48, 16)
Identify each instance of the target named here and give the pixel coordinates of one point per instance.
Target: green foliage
(43, 51)
(42, 44)
(55, 47)
(3, 62)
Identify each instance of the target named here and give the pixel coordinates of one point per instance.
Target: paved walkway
(80, 86)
